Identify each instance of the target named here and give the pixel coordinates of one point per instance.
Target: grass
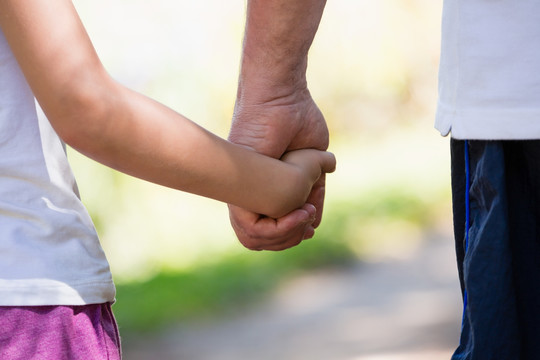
(233, 282)
(228, 284)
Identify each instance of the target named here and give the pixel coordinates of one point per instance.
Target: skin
(136, 135)
(275, 112)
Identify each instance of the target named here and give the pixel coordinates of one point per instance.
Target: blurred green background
(373, 72)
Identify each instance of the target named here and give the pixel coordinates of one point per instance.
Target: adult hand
(273, 125)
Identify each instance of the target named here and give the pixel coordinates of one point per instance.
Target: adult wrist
(263, 81)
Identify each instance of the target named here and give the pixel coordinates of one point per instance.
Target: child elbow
(83, 109)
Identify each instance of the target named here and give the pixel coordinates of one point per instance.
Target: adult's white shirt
(489, 77)
(49, 250)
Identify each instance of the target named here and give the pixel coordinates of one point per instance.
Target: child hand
(310, 165)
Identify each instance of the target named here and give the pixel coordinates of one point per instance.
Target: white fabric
(49, 250)
(489, 77)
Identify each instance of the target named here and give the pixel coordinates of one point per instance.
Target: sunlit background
(373, 72)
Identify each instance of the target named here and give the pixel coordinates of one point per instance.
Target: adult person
(489, 100)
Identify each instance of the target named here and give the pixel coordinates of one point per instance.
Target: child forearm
(138, 136)
(148, 140)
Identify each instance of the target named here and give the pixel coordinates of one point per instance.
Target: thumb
(327, 162)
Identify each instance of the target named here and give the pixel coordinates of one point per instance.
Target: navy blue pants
(496, 205)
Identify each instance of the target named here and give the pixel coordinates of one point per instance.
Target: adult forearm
(278, 36)
(274, 110)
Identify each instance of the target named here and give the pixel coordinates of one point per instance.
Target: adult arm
(134, 134)
(275, 112)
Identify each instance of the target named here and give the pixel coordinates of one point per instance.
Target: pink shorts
(58, 333)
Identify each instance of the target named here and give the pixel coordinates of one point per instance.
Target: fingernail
(311, 209)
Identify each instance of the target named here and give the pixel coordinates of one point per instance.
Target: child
(55, 284)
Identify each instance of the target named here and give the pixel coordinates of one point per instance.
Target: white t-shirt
(49, 250)
(489, 80)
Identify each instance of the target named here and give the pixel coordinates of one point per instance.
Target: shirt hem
(23, 293)
(489, 125)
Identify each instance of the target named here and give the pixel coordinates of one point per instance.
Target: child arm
(126, 130)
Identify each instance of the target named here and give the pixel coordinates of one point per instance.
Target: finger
(289, 243)
(309, 230)
(305, 215)
(328, 162)
(291, 239)
(260, 227)
(262, 233)
(316, 197)
(297, 234)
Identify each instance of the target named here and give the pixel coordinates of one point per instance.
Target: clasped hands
(274, 129)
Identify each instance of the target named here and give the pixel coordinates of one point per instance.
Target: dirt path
(392, 309)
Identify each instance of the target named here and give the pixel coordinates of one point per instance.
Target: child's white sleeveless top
(49, 250)
(489, 80)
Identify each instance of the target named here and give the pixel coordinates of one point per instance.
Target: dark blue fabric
(500, 270)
